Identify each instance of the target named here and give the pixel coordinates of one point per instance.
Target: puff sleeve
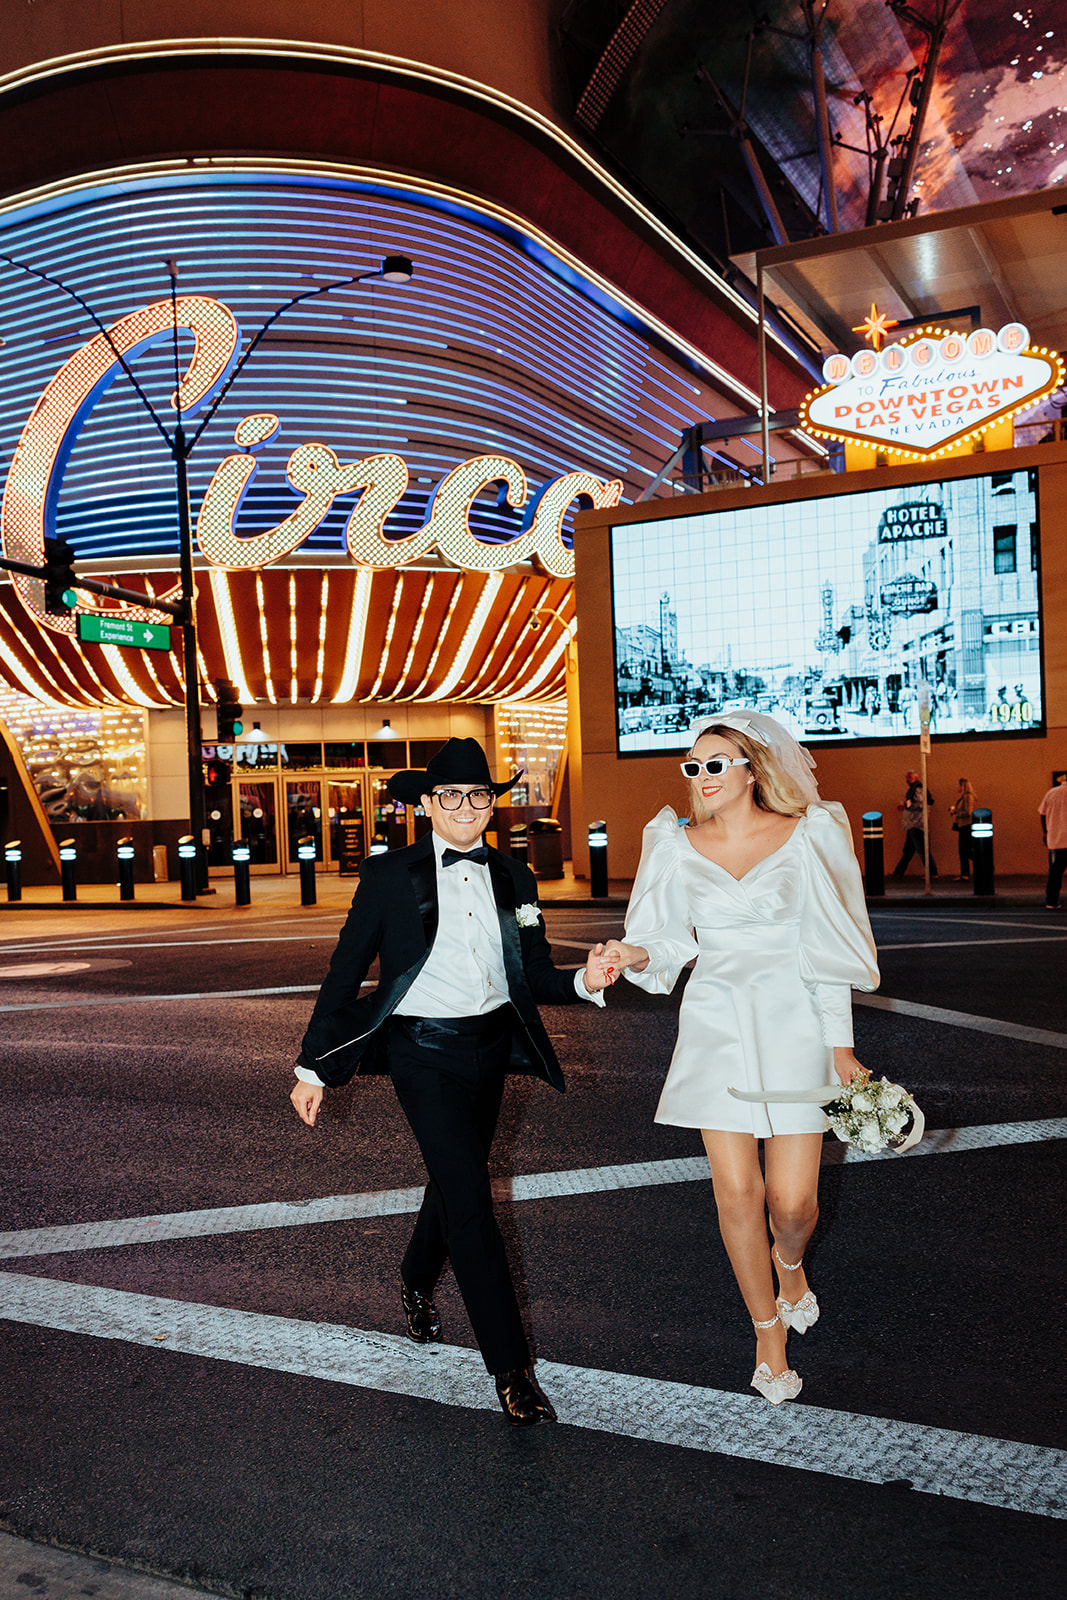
(837, 951)
(658, 917)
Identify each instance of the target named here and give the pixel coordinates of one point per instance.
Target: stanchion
(68, 868)
(379, 845)
(873, 853)
(598, 859)
(242, 876)
(187, 865)
(13, 860)
(982, 876)
(517, 843)
(305, 854)
(124, 851)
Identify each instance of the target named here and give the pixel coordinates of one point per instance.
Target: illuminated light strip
(271, 696)
(357, 633)
(113, 656)
(173, 594)
(415, 637)
(231, 649)
(441, 636)
(473, 633)
(521, 598)
(405, 185)
(24, 680)
(389, 628)
(323, 597)
(493, 690)
(525, 687)
(57, 668)
(293, 686)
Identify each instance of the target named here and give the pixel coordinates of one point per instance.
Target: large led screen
(843, 616)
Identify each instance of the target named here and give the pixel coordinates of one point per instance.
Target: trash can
(546, 847)
(159, 863)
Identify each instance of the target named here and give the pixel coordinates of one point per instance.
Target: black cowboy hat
(458, 761)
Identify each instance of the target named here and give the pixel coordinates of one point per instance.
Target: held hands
(598, 974)
(307, 1098)
(847, 1067)
(620, 955)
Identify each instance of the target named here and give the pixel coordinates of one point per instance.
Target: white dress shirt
(463, 976)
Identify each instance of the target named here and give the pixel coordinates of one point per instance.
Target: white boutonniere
(528, 916)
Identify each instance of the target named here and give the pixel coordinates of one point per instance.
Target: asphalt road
(200, 1346)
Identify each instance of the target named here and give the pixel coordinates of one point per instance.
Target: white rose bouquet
(872, 1113)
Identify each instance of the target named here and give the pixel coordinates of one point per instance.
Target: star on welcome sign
(875, 325)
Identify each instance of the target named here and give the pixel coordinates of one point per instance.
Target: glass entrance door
(347, 835)
(303, 818)
(258, 810)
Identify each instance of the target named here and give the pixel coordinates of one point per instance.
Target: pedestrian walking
(962, 806)
(764, 891)
(463, 965)
(911, 820)
(1053, 813)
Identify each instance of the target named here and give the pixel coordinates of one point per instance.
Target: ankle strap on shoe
(790, 1266)
(770, 1324)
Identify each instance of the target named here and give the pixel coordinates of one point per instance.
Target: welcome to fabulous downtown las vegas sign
(920, 397)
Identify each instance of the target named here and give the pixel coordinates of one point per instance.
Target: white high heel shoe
(775, 1387)
(799, 1315)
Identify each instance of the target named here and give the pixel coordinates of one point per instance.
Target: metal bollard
(187, 865)
(124, 851)
(982, 851)
(598, 859)
(517, 842)
(68, 868)
(241, 854)
(13, 859)
(873, 853)
(379, 845)
(305, 853)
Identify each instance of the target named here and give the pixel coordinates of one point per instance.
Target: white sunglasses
(715, 767)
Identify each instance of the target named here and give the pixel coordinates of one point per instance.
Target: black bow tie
(450, 856)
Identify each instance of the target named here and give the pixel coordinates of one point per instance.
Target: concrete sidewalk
(334, 893)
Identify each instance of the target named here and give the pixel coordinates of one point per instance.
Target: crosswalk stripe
(809, 1438)
(964, 1019)
(67, 1237)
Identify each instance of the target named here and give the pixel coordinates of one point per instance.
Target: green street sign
(124, 632)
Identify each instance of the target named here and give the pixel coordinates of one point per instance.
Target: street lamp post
(393, 269)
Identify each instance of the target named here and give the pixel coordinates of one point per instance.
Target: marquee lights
(28, 512)
(921, 397)
(31, 495)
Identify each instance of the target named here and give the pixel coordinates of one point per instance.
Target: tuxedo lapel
(504, 895)
(423, 873)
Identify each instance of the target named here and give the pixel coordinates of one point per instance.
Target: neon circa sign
(920, 397)
(31, 494)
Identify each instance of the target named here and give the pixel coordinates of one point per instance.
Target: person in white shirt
(463, 965)
(1053, 814)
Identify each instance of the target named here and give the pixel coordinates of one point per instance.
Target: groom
(464, 964)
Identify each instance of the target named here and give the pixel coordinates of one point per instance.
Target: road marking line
(963, 1019)
(954, 944)
(964, 1466)
(65, 1237)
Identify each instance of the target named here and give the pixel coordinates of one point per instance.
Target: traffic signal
(230, 711)
(59, 596)
(217, 773)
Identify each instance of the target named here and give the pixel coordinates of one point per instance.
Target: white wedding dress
(777, 954)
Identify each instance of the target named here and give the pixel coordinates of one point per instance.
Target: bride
(762, 888)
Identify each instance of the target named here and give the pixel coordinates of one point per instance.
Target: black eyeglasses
(452, 799)
(715, 767)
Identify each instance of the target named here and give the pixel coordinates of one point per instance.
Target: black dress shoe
(424, 1323)
(521, 1397)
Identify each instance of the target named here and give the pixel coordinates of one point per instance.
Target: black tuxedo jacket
(394, 918)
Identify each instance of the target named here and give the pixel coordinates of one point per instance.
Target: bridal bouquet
(872, 1113)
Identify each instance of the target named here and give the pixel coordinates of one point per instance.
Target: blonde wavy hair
(772, 787)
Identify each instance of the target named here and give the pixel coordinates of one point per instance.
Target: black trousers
(1057, 866)
(449, 1079)
(913, 846)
